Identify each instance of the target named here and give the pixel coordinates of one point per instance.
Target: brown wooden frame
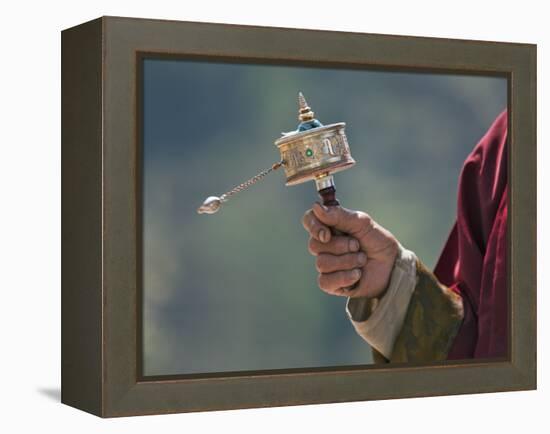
(101, 231)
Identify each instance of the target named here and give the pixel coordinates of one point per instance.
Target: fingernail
(323, 236)
(362, 258)
(353, 245)
(356, 274)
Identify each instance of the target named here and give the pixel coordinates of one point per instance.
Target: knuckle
(312, 246)
(322, 263)
(350, 260)
(342, 245)
(318, 265)
(364, 218)
(321, 281)
(366, 223)
(306, 219)
(313, 224)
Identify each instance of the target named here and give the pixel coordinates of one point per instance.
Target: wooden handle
(328, 195)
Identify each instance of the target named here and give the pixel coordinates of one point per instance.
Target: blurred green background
(237, 290)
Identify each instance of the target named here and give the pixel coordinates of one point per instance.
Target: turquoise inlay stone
(309, 152)
(308, 125)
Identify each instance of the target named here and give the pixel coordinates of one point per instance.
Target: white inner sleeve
(383, 325)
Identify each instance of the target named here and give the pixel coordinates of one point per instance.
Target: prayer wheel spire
(304, 112)
(306, 115)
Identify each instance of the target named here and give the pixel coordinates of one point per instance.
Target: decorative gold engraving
(328, 152)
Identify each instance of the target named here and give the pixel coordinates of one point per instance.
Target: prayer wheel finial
(304, 112)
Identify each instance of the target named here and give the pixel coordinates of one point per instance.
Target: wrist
(379, 319)
(395, 250)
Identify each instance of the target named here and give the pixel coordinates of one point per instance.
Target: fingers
(316, 229)
(335, 283)
(375, 279)
(338, 245)
(327, 263)
(355, 223)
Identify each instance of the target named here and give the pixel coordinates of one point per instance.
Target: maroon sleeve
(473, 261)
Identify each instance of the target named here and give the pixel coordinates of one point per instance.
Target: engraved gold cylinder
(314, 153)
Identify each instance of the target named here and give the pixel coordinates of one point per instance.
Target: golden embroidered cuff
(434, 316)
(415, 320)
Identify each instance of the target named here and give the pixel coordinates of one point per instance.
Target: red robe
(473, 262)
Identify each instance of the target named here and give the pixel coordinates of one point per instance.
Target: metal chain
(225, 197)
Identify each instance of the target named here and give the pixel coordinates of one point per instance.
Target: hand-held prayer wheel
(312, 152)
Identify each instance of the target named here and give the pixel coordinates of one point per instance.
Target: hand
(365, 253)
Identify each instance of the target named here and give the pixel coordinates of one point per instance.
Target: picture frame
(101, 232)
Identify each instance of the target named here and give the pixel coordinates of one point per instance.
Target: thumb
(351, 222)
